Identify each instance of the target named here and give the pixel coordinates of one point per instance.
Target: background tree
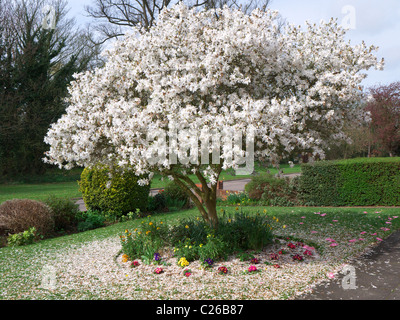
(37, 64)
(385, 114)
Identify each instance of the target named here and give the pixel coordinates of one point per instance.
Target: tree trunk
(211, 204)
(205, 198)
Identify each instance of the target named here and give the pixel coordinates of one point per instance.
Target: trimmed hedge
(353, 182)
(119, 194)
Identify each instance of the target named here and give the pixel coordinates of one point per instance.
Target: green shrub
(175, 196)
(91, 220)
(65, 212)
(157, 203)
(245, 232)
(23, 238)
(109, 190)
(271, 191)
(241, 198)
(354, 182)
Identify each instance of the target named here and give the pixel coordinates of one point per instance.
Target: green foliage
(245, 256)
(109, 190)
(271, 191)
(241, 198)
(23, 238)
(145, 240)
(158, 203)
(65, 212)
(354, 182)
(243, 231)
(91, 220)
(175, 196)
(192, 238)
(33, 86)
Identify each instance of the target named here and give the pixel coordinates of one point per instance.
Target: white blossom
(201, 73)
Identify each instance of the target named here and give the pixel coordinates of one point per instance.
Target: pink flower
(307, 253)
(273, 256)
(374, 234)
(291, 245)
(385, 229)
(134, 263)
(353, 240)
(363, 232)
(252, 268)
(333, 244)
(331, 275)
(255, 261)
(379, 239)
(361, 239)
(158, 270)
(303, 217)
(335, 220)
(301, 223)
(323, 215)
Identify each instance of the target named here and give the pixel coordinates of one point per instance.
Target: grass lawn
(85, 264)
(70, 189)
(39, 191)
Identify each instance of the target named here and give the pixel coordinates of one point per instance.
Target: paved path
(377, 276)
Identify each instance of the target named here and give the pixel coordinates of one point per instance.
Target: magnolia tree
(204, 91)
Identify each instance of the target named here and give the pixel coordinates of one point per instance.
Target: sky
(376, 22)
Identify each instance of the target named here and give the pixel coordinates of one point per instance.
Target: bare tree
(116, 16)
